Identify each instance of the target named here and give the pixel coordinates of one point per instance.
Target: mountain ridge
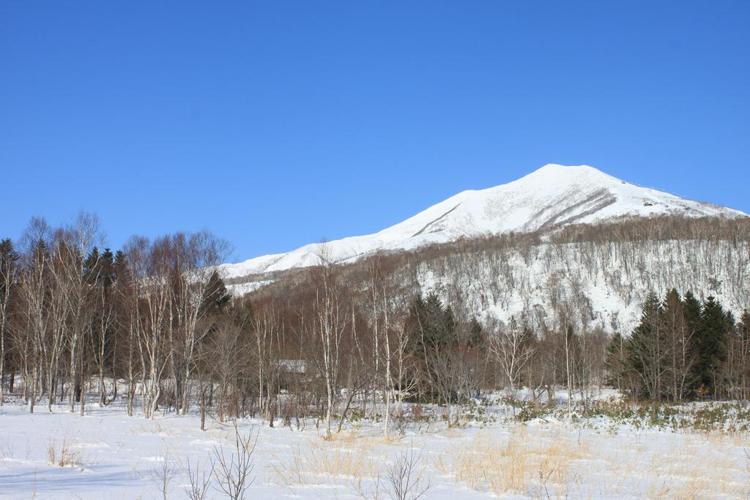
(546, 199)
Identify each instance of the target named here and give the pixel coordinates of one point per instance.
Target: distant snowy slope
(549, 198)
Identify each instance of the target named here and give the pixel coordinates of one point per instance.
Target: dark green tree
(710, 345)
(475, 338)
(431, 326)
(433, 339)
(8, 267)
(647, 350)
(216, 296)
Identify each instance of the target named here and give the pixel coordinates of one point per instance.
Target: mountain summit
(549, 198)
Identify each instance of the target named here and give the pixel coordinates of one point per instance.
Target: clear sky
(282, 123)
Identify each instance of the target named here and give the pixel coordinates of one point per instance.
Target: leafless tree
(380, 320)
(164, 476)
(151, 266)
(406, 478)
(266, 331)
(329, 324)
(71, 297)
(195, 257)
(200, 481)
(233, 468)
(678, 338)
(512, 346)
(35, 296)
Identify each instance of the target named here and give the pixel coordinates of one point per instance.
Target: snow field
(110, 455)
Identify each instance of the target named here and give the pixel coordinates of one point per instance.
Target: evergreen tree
(91, 266)
(431, 325)
(120, 267)
(8, 265)
(646, 350)
(692, 310)
(433, 336)
(711, 347)
(475, 338)
(107, 266)
(216, 295)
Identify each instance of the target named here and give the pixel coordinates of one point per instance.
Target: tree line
(152, 326)
(683, 349)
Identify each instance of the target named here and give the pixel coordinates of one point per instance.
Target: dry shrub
(687, 477)
(405, 478)
(63, 456)
(689, 488)
(342, 457)
(722, 438)
(344, 437)
(357, 441)
(520, 464)
(233, 468)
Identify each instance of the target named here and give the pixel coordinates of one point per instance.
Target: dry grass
(358, 440)
(539, 467)
(317, 461)
(737, 439)
(63, 455)
(689, 477)
(683, 468)
(351, 459)
(541, 462)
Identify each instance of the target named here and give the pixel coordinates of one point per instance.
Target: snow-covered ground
(115, 456)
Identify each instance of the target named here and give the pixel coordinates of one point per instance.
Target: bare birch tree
(512, 348)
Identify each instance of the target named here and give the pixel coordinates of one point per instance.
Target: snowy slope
(548, 198)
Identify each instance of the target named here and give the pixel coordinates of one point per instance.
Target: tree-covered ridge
(153, 325)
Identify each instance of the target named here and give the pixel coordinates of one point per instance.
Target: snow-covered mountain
(544, 200)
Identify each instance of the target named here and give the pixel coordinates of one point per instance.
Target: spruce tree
(432, 334)
(692, 310)
(646, 350)
(475, 333)
(431, 325)
(216, 295)
(8, 266)
(107, 265)
(711, 347)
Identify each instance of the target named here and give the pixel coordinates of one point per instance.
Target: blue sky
(282, 123)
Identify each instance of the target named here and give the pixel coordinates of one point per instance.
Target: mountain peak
(548, 198)
(553, 172)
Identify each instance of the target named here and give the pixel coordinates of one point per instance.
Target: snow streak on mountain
(547, 199)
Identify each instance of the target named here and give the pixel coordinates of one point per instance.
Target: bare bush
(233, 468)
(164, 475)
(200, 480)
(405, 478)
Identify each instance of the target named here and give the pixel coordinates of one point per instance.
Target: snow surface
(548, 198)
(121, 457)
